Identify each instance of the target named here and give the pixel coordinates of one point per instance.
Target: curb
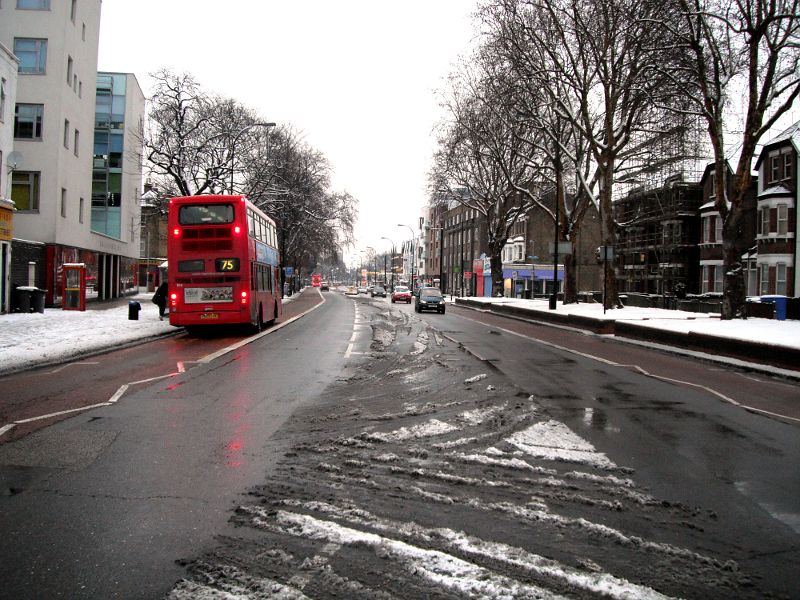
(759, 356)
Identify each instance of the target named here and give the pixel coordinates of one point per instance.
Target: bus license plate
(209, 316)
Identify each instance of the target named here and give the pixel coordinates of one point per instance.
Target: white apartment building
(8, 95)
(53, 184)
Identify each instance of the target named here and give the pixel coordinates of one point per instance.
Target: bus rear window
(191, 266)
(205, 214)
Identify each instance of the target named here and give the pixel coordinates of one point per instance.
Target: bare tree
(553, 147)
(738, 50)
(187, 133)
(597, 61)
(290, 181)
(479, 162)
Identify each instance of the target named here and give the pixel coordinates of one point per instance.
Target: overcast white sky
(357, 77)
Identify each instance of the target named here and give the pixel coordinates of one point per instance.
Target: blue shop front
(524, 280)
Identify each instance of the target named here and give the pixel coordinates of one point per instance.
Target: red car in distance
(401, 294)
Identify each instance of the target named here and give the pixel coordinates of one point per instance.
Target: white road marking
(61, 412)
(121, 391)
(62, 367)
(118, 394)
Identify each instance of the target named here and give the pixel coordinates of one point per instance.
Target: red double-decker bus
(223, 264)
(316, 280)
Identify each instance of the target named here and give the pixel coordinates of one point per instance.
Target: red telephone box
(74, 282)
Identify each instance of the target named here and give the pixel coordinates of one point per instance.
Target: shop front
(526, 281)
(6, 234)
(106, 276)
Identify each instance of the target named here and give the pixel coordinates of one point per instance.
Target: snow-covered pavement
(32, 339)
(767, 331)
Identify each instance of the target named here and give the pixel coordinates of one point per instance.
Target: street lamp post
(394, 246)
(413, 258)
(233, 145)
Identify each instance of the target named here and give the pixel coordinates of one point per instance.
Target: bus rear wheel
(259, 324)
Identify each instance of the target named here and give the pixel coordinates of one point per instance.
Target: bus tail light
(173, 299)
(244, 297)
(176, 232)
(237, 229)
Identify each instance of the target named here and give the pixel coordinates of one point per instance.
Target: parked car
(401, 294)
(324, 286)
(429, 298)
(362, 289)
(351, 290)
(377, 290)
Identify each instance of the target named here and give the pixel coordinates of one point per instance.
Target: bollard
(133, 310)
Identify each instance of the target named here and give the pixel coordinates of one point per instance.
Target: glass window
(66, 133)
(2, 99)
(764, 278)
(63, 202)
(32, 54)
(191, 266)
(704, 288)
(70, 65)
(787, 165)
(718, 229)
(780, 279)
(80, 210)
(205, 214)
(73, 10)
(76, 139)
(28, 121)
(706, 229)
(783, 219)
(774, 168)
(718, 278)
(764, 215)
(33, 4)
(25, 190)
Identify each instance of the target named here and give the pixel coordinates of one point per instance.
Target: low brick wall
(787, 358)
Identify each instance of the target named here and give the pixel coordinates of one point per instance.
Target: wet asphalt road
(406, 479)
(349, 455)
(102, 504)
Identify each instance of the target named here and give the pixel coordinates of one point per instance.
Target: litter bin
(133, 310)
(37, 300)
(780, 305)
(24, 299)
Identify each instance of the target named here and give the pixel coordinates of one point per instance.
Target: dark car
(377, 290)
(429, 299)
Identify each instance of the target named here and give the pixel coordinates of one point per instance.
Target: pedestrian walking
(160, 299)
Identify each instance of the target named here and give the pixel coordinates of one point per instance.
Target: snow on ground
(34, 338)
(768, 331)
(28, 339)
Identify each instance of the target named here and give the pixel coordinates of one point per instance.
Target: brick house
(711, 257)
(776, 225)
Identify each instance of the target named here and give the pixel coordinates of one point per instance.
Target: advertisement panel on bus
(223, 262)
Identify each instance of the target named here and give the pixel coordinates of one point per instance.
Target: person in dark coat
(160, 299)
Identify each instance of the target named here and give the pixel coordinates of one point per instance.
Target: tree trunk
(571, 275)
(496, 261)
(734, 288)
(607, 234)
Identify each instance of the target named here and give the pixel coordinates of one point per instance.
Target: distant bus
(223, 264)
(316, 280)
